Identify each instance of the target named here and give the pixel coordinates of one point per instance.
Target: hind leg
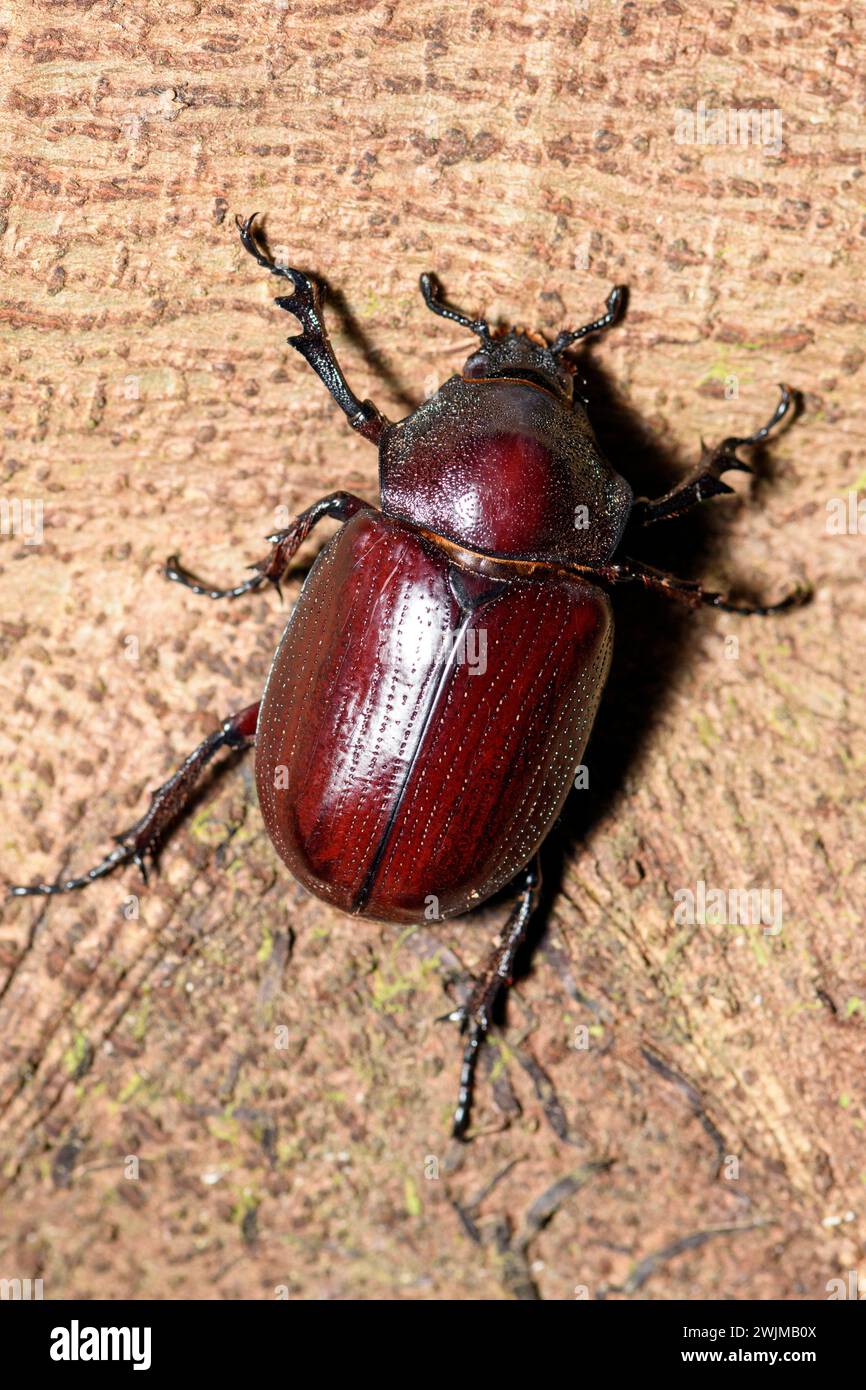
(167, 804)
(474, 1015)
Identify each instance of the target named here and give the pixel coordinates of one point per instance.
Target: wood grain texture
(527, 153)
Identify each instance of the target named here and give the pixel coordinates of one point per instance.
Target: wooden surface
(526, 152)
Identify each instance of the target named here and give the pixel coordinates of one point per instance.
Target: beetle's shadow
(653, 633)
(373, 359)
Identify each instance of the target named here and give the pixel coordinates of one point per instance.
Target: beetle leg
(313, 343)
(691, 592)
(707, 481)
(474, 1015)
(339, 505)
(167, 803)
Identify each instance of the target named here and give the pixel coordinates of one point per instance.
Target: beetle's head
(524, 356)
(519, 356)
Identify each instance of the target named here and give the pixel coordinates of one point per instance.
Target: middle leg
(284, 545)
(691, 592)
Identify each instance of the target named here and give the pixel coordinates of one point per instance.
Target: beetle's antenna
(432, 292)
(616, 301)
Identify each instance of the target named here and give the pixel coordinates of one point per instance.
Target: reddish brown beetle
(402, 777)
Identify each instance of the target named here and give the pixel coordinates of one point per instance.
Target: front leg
(284, 544)
(313, 343)
(707, 481)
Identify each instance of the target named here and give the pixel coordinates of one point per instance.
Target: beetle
(401, 777)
